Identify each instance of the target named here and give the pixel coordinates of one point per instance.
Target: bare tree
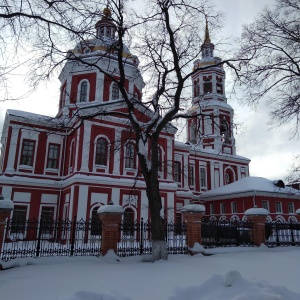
(167, 37)
(271, 66)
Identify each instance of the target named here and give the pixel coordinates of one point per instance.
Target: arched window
(130, 156)
(101, 155)
(128, 228)
(228, 177)
(95, 222)
(83, 91)
(115, 93)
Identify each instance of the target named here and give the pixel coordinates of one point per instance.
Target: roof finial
(206, 37)
(106, 10)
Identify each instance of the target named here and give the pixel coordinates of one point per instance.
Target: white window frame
(222, 208)
(108, 152)
(234, 209)
(203, 187)
(267, 206)
(291, 205)
(79, 91)
(111, 92)
(125, 156)
(193, 172)
(179, 179)
(276, 206)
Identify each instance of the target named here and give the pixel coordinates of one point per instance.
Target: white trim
(110, 92)
(125, 156)
(79, 91)
(106, 167)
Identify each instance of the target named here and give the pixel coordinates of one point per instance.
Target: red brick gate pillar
(6, 206)
(258, 217)
(110, 215)
(192, 215)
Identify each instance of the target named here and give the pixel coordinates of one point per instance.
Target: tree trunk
(159, 247)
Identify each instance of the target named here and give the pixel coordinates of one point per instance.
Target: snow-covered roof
(249, 186)
(32, 118)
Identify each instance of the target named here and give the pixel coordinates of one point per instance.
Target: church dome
(105, 41)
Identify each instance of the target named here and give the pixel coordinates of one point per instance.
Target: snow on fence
(224, 233)
(135, 238)
(281, 233)
(37, 238)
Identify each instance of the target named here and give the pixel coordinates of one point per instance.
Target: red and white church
(50, 171)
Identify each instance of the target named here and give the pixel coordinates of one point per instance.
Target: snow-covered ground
(231, 273)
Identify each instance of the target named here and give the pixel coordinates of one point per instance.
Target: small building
(231, 201)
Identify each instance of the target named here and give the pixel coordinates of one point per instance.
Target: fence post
(142, 236)
(73, 235)
(192, 215)
(111, 216)
(258, 217)
(298, 214)
(39, 226)
(6, 206)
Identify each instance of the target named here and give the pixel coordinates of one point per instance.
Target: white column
(12, 150)
(171, 205)
(186, 171)
(144, 205)
(76, 150)
(221, 174)
(115, 195)
(99, 87)
(212, 174)
(117, 152)
(82, 202)
(169, 158)
(86, 147)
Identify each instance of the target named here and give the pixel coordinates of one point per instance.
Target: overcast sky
(270, 150)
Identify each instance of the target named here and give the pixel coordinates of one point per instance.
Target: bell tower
(211, 126)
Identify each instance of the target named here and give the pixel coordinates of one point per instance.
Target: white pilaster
(117, 152)
(82, 202)
(86, 147)
(169, 158)
(186, 171)
(12, 150)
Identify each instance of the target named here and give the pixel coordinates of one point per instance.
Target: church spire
(207, 47)
(206, 37)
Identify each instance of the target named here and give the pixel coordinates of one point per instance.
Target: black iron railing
(38, 238)
(281, 233)
(226, 233)
(135, 238)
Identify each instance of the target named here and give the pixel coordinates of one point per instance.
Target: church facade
(64, 168)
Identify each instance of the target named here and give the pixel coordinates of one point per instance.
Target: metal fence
(281, 233)
(39, 238)
(135, 238)
(226, 233)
